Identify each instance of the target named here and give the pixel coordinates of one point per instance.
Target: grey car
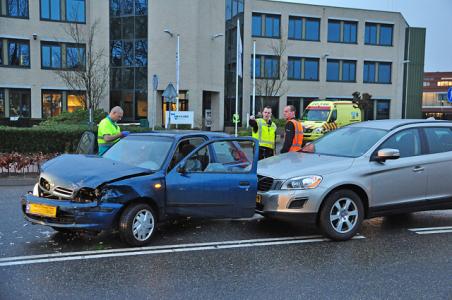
(361, 171)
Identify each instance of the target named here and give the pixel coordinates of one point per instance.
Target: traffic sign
(170, 93)
(235, 118)
(449, 94)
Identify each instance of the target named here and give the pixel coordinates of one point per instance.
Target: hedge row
(46, 139)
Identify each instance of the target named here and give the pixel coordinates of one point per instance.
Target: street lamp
(171, 34)
(216, 36)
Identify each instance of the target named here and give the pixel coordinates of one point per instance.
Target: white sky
(435, 15)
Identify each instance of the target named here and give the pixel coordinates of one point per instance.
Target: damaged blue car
(145, 179)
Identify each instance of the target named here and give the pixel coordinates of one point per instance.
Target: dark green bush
(79, 117)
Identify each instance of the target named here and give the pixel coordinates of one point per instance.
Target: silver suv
(360, 171)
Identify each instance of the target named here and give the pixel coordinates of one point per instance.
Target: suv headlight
(302, 183)
(318, 130)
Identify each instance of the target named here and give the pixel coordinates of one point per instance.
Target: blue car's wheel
(137, 224)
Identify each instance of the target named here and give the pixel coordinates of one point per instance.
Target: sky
(434, 15)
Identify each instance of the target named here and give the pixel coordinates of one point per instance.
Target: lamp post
(171, 34)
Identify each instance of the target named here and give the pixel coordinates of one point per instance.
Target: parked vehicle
(360, 171)
(147, 178)
(322, 116)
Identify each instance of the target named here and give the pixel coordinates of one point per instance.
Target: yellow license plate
(258, 199)
(42, 210)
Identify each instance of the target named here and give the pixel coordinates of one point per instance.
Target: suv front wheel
(341, 215)
(137, 224)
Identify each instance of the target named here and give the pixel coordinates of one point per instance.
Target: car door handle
(418, 169)
(244, 183)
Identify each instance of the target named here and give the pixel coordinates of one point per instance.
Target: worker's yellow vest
(106, 126)
(265, 134)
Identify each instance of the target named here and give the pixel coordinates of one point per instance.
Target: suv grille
(264, 183)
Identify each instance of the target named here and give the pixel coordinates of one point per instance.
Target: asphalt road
(228, 259)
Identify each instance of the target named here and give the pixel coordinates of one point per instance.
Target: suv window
(439, 139)
(408, 142)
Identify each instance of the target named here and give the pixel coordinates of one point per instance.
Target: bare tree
(272, 85)
(362, 102)
(86, 67)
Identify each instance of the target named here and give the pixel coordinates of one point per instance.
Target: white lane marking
(26, 260)
(434, 231)
(429, 228)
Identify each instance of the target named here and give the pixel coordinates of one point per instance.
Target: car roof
(178, 134)
(391, 124)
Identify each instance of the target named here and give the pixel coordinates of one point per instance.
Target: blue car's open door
(218, 179)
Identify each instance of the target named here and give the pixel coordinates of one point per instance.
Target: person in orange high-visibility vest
(293, 133)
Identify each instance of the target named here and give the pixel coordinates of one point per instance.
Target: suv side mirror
(387, 153)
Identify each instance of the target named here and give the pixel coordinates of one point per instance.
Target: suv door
(217, 179)
(400, 180)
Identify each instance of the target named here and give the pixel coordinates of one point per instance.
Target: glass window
(332, 72)
(115, 7)
(51, 103)
(369, 72)
(51, 10)
(439, 139)
(75, 101)
(258, 67)
(350, 32)
(19, 103)
(116, 53)
(295, 28)
(141, 52)
(2, 103)
(311, 69)
(1, 52)
(129, 59)
(228, 9)
(234, 7)
(141, 7)
(75, 57)
(408, 142)
(384, 72)
(141, 101)
(128, 27)
(17, 8)
(51, 56)
(294, 71)
(271, 67)
(272, 26)
(140, 78)
(386, 35)
(19, 53)
(383, 109)
(141, 27)
(312, 29)
(241, 6)
(75, 11)
(348, 71)
(127, 78)
(334, 31)
(370, 34)
(257, 25)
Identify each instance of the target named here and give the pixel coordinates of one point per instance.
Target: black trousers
(265, 152)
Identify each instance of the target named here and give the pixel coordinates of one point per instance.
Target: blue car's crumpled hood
(76, 171)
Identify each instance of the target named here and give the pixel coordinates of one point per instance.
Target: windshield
(141, 151)
(316, 114)
(347, 141)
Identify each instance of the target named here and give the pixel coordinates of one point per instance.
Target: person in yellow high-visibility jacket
(109, 132)
(264, 130)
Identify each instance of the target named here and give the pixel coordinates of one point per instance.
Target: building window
(75, 101)
(51, 10)
(301, 68)
(14, 8)
(52, 103)
(311, 26)
(1, 52)
(233, 8)
(377, 72)
(75, 57)
(141, 7)
(341, 70)
(19, 53)
(75, 11)
(444, 83)
(383, 107)
(265, 25)
(2, 103)
(19, 103)
(267, 66)
(51, 56)
(379, 34)
(342, 31)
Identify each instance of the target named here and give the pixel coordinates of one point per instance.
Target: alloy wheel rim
(344, 215)
(143, 225)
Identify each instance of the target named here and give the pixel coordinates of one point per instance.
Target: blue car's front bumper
(73, 215)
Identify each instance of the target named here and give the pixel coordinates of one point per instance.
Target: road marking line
(429, 228)
(434, 231)
(33, 259)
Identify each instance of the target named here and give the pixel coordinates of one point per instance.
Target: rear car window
(439, 139)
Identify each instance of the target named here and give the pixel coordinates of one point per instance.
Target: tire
(341, 215)
(141, 217)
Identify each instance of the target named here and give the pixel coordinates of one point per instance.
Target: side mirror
(387, 153)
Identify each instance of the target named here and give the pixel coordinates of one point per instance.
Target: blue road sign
(449, 94)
